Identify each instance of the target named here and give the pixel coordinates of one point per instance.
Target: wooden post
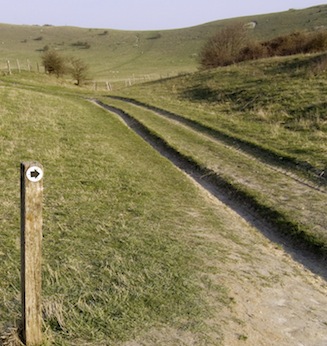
(109, 87)
(31, 239)
(18, 65)
(8, 66)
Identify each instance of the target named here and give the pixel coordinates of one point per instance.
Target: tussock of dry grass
(11, 338)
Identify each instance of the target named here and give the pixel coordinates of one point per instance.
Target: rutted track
(285, 165)
(262, 217)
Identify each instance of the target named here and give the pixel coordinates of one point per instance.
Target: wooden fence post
(8, 66)
(18, 65)
(31, 240)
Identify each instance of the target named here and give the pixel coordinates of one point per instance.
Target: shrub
(231, 45)
(317, 42)
(154, 36)
(224, 47)
(56, 64)
(79, 70)
(254, 50)
(293, 43)
(53, 63)
(104, 33)
(297, 43)
(82, 45)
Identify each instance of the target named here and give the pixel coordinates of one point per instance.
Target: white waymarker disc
(34, 174)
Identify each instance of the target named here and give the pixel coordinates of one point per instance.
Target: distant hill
(120, 54)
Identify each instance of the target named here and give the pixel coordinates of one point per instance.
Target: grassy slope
(119, 54)
(130, 213)
(273, 104)
(120, 256)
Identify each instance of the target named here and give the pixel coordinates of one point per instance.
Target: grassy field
(115, 54)
(251, 124)
(120, 252)
(276, 104)
(133, 249)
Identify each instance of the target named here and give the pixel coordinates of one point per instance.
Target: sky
(138, 14)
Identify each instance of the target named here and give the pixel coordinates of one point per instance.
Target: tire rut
(285, 165)
(261, 217)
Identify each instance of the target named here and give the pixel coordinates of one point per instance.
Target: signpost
(31, 240)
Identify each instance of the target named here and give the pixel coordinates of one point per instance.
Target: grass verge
(120, 257)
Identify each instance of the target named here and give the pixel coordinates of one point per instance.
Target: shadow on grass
(201, 93)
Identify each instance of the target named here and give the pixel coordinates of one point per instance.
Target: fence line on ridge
(11, 66)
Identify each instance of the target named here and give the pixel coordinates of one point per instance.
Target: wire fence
(14, 66)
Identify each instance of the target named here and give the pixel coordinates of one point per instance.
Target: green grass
(274, 196)
(275, 104)
(115, 54)
(120, 255)
(277, 108)
(127, 238)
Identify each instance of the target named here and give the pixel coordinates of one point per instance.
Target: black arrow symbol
(35, 174)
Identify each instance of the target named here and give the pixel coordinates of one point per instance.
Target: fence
(9, 66)
(13, 66)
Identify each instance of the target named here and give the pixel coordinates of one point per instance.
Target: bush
(154, 36)
(297, 43)
(317, 42)
(56, 64)
(254, 50)
(53, 63)
(82, 45)
(224, 48)
(231, 45)
(79, 70)
(293, 43)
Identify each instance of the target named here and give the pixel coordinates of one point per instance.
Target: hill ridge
(114, 54)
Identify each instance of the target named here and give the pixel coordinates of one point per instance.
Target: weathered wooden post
(9, 67)
(31, 239)
(18, 65)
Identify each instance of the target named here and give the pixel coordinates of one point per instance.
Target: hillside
(187, 210)
(135, 252)
(114, 54)
(272, 110)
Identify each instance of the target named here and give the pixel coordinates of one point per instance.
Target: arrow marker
(34, 174)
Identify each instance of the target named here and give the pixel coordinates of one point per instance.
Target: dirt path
(276, 299)
(273, 161)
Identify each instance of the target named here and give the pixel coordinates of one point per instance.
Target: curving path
(278, 298)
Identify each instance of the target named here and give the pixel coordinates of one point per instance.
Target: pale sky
(138, 14)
